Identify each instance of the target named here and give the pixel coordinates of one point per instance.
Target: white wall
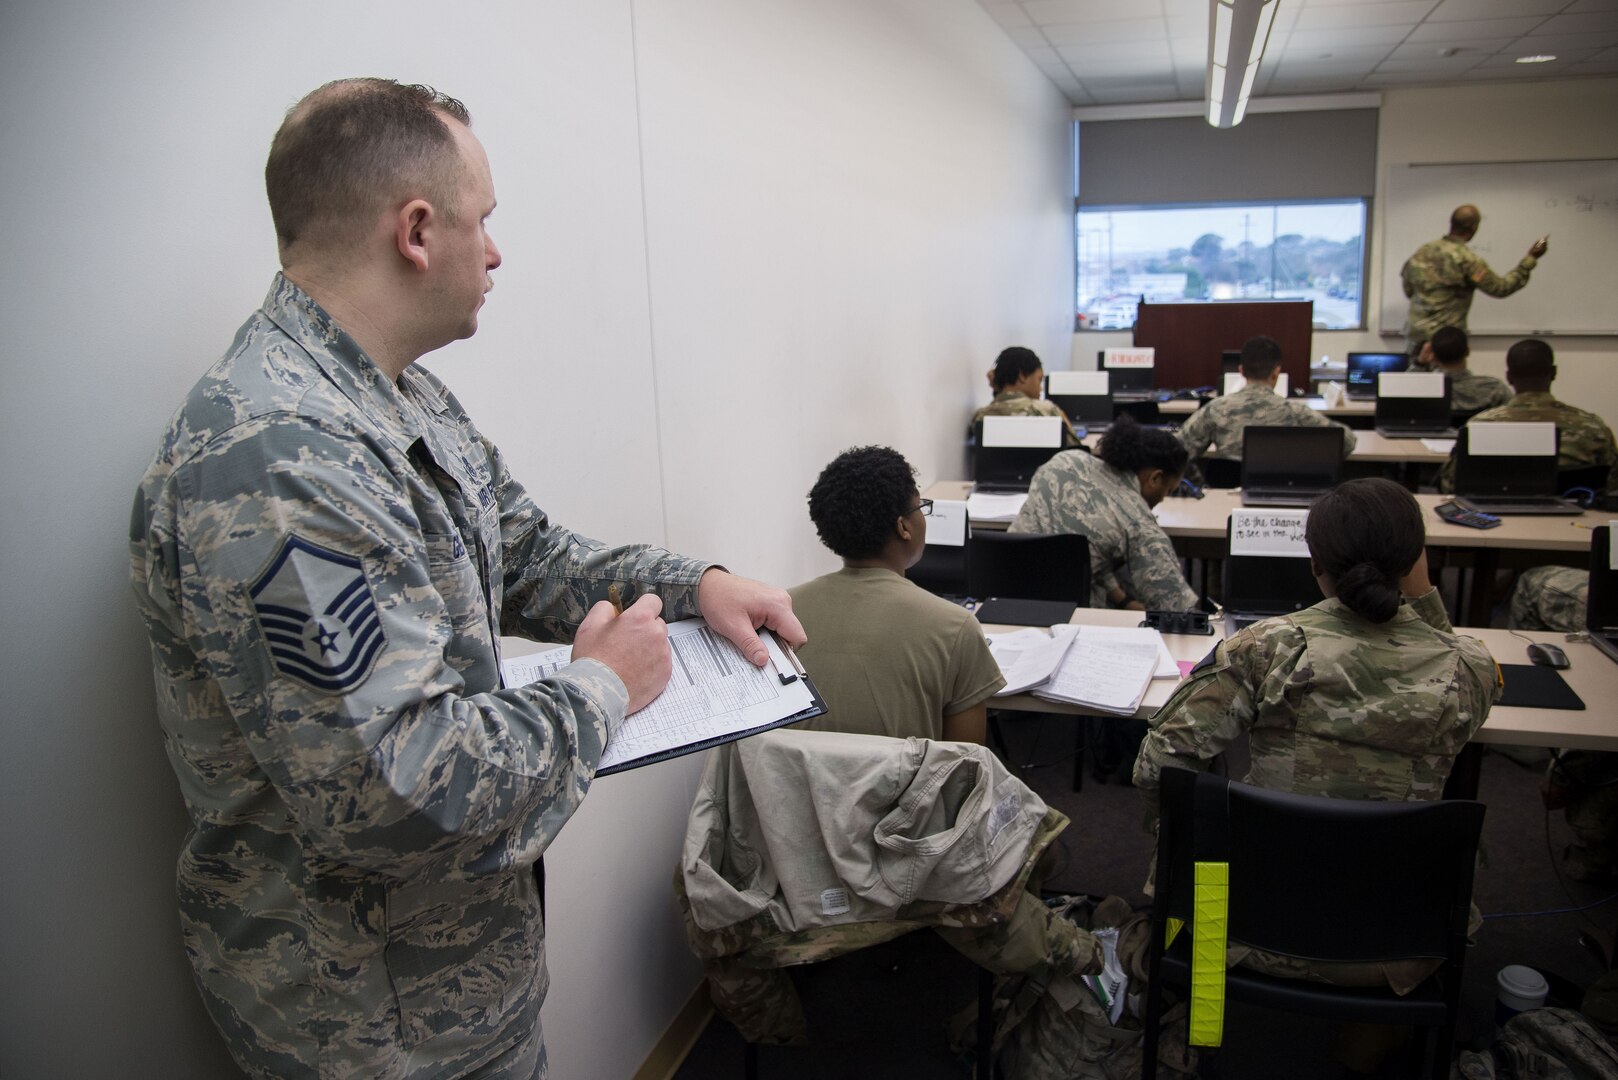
(739, 235)
(1493, 122)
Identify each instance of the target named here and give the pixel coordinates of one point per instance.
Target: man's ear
(412, 227)
(901, 526)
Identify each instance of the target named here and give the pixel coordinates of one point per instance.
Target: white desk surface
(1591, 675)
(1205, 518)
(1368, 446)
(1186, 406)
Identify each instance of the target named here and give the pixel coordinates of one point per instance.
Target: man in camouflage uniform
(325, 552)
(1441, 277)
(1583, 783)
(1331, 709)
(1469, 392)
(1583, 438)
(1220, 423)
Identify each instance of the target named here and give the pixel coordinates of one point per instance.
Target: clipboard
(715, 696)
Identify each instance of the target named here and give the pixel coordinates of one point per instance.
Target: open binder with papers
(1105, 668)
(715, 695)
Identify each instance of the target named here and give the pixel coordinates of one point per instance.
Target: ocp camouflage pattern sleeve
(1550, 598)
(1221, 422)
(1440, 279)
(1076, 492)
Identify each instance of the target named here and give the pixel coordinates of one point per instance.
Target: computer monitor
(1010, 448)
(1364, 367)
(1230, 363)
(1292, 458)
(1085, 396)
(1601, 607)
(1130, 369)
(1412, 400)
(1512, 460)
(1131, 380)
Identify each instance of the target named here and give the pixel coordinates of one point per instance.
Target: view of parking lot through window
(1283, 251)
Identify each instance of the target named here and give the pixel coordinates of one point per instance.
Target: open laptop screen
(1303, 458)
(1364, 367)
(1010, 448)
(1601, 612)
(1510, 459)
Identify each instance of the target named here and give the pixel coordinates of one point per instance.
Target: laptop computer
(1130, 370)
(1363, 368)
(1509, 468)
(1010, 448)
(1601, 610)
(1085, 396)
(1413, 405)
(1266, 572)
(1230, 363)
(1289, 466)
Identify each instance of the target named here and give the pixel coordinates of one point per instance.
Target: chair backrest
(1220, 472)
(1593, 477)
(1028, 566)
(1341, 880)
(941, 570)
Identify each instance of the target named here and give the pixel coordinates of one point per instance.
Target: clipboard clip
(797, 671)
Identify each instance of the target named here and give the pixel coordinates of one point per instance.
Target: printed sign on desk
(1132, 357)
(1268, 532)
(947, 525)
(1410, 384)
(1511, 439)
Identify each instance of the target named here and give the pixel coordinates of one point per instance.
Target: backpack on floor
(1542, 1044)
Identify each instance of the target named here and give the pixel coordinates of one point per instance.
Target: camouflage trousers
(1010, 932)
(1585, 784)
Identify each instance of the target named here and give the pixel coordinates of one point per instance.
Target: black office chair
(1458, 417)
(1028, 566)
(1590, 478)
(1335, 880)
(1220, 472)
(941, 570)
(1144, 412)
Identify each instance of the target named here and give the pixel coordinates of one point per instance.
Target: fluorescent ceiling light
(1538, 58)
(1238, 33)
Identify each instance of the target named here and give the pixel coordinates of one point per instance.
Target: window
(1222, 251)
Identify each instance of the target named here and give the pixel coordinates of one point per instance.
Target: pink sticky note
(1185, 667)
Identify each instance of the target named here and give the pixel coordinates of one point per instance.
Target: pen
(1580, 525)
(615, 598)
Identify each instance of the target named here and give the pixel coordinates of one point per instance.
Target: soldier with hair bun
(1369, 694)
(1017, 379)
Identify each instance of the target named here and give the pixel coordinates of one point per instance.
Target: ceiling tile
(1107, 94)
(1555, 43)
(1120, 52)
(1072, 11)
(1591, 5)
(1368, 57)
(1096, 33)
(1401, 13)
(1472, 50)
(1181, 27)
(1594, 22)
(1465, 30)
(1008, 15)
(1348, 36)
(1564, 59)
(1403, 78)
(1043, 55)
(1494, 9)
(1028, 36)
(1437, 66)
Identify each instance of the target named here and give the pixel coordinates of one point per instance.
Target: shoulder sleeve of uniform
(325, 613)
(974, 675)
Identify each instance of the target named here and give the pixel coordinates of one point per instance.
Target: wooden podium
(1189, 337)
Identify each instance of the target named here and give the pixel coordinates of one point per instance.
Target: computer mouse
(1185, 395)
(1547, 655)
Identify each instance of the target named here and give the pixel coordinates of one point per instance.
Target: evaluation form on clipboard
(715, 695)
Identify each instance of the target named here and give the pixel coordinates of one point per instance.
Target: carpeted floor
(881, 1013)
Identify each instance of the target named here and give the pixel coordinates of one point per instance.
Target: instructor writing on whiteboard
(1441, 277)
(326, 551)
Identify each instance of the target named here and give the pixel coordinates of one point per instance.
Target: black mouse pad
(1537, 688)
(1026, 612)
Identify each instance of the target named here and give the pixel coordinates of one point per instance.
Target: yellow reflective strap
(1172, 930)
(1210, 915)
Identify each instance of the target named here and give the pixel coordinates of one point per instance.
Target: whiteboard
(1575, 202)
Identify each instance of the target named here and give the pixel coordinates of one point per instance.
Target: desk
(1369, 448)
(1591, 675)
(1197, 527)
(1183, 407)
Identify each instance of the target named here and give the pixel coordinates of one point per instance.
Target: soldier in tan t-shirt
(888, 657)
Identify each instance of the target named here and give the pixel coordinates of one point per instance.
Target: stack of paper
(983, 506)
(1106, 668)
